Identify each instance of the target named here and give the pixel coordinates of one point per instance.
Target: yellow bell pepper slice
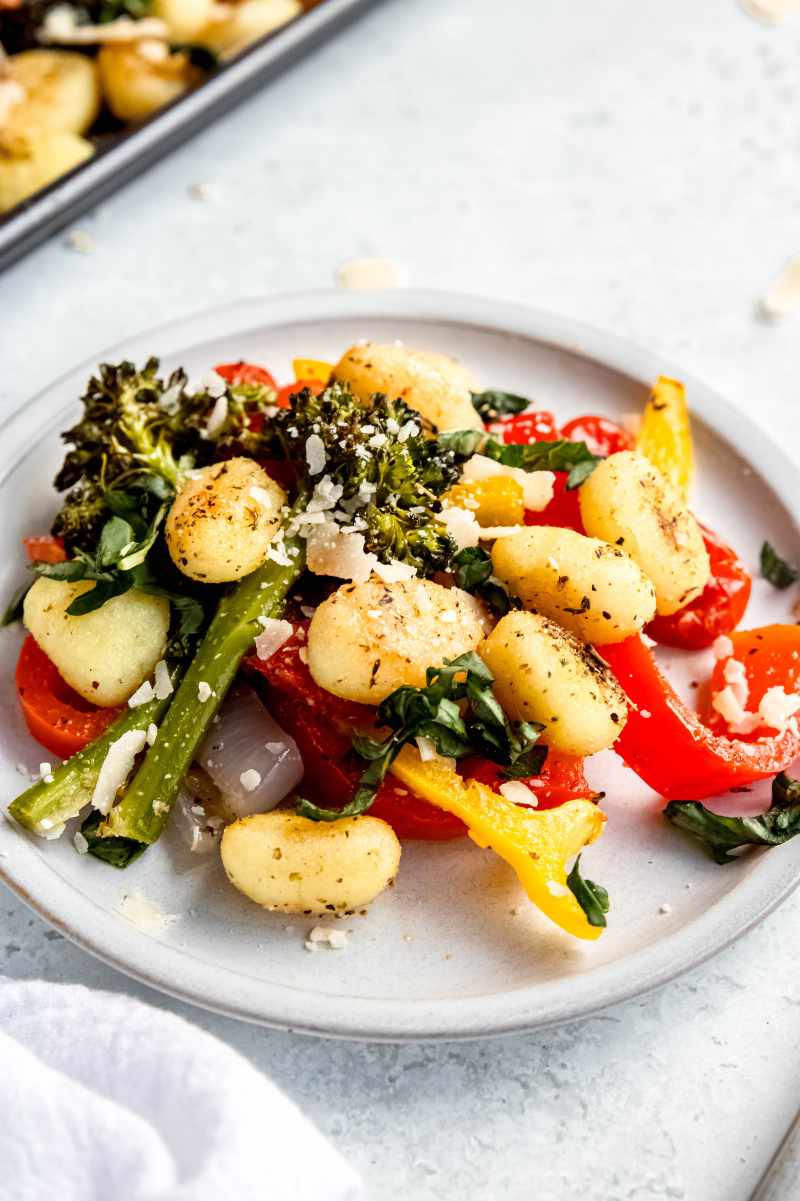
(665, 435)
(498, 500)
(312, 369)
(535, 844)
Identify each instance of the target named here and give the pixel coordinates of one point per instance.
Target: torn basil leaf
(435, 712)
(720, 836)
(560, 455)
(776, 570)
(473, 571)
(13, 613)
(592, 898)
(495, 403)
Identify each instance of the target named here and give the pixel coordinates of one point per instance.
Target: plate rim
(268, 1003)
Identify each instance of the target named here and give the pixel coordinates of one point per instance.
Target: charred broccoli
(391, 474)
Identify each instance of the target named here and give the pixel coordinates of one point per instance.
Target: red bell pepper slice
(670, 748)
(717, 610)
(560, 780)
(771, 658)
(56, 716)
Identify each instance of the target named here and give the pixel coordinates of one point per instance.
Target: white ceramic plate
(441, 955)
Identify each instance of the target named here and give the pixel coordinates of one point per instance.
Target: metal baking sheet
(134, 151)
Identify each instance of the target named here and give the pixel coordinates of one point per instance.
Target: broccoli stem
(143, 811)
(44, 808)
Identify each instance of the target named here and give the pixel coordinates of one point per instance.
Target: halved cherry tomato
(322, 726)
(246, 373)
(524, 428)
(603, 437)
(56, 716)
(771, 658)
(560, 780)
(717, 610)
(667, 744)
(289, 390)
(45, 548)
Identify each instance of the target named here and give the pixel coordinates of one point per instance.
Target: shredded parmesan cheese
(61, 26)
(250, 779)
(274, 634)
(144, 914)
(142, 696)
(325, 935)
(116, 768)
(518, 793)
(163, 687)
(537, 486)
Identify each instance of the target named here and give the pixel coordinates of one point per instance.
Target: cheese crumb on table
(79, 240)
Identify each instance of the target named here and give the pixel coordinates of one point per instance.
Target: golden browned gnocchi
(286, 862)
(436, 386)
(30, 163)
(235, 26)
(140, 78)
(368, 639)
(223, 520)
(59, 93)
(591, 588)
(628, 502)
(106, 654)
(543, 673)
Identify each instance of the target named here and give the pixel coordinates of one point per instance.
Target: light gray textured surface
(635, 165)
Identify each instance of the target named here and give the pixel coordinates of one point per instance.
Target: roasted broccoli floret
(390, 471)
(143, 432)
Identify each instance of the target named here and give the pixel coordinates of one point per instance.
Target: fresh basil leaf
(73, 569)
(592, 898)
(116, 537)
(494, 403)
(119, 852)
(561, 455)
(199, 56)
(473, 572)
(528, 763)
(721, 835)
(95, 598)
(776, 570)
(13, 613)
(462, 443)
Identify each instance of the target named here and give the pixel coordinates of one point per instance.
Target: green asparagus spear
(145, 807)
(45, 807)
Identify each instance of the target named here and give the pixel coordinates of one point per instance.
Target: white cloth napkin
(103, 1098)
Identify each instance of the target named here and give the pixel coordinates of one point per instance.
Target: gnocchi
(628, 502)
(104, 655)
(30, 163)
(223, 519)
(368, 639)
(593, 589)
(233, 27)
(286, 862)
(543, 673)
(137, 85)
(60, 93)
(436, 386)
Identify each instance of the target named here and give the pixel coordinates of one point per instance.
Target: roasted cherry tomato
(246, 373)
(45, 549)
(717, 610)
(56, 716)
(561, 778)
(524, 428)
(603, 437)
